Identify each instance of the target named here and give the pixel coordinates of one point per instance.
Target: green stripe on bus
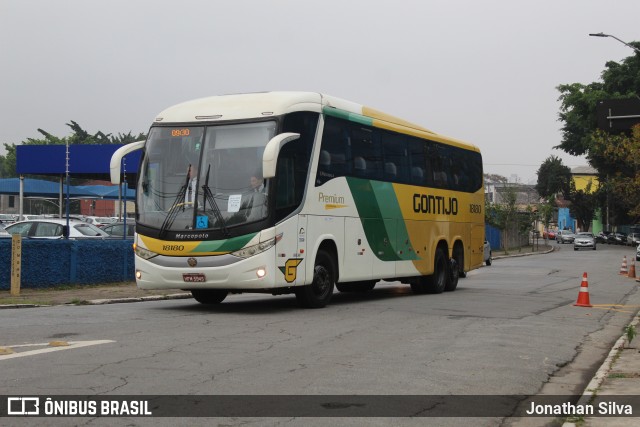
(227, 245)
(352, 117)
(390, 208)
(381, 219)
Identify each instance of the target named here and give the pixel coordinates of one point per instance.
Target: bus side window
(325, 171)
(332, 162)
(418, 162)
(292, 169)
(396, 159)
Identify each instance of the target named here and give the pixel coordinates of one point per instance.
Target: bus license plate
(193, 277)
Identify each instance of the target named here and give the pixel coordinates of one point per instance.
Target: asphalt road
(509, 329)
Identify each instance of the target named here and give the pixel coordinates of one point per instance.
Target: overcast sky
(482, 71)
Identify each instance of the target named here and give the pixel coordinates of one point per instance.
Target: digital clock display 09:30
(180, 132)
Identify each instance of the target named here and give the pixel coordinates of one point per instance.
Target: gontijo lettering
(437, 205)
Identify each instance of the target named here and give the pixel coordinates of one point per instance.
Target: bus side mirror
(271, 151)
(116, 159)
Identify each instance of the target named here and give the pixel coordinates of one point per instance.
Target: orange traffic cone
(623, 268)
(632, 270)
(583, 295)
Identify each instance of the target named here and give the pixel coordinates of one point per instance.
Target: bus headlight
(144, 253)
(256, 249)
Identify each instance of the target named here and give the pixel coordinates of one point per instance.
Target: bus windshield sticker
(202, 221)
(234, 203)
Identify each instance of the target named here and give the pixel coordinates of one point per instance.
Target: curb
(137, 299)
(591, 390)
(548, 251)
(106, 301)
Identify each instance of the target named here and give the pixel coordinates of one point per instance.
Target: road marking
(72, 345)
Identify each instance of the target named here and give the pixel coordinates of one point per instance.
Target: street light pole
(614, 37)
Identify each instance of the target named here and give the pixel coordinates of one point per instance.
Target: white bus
(299, 192)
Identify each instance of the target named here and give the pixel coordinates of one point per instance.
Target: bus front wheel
(319, 292)
(209, 296)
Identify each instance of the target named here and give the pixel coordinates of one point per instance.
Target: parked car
(3, 232)
(633, 239)
(487, 253)
(53, 229)
(550, 234)
(565, 236)
(584, 240)
(99, 221)
(638, 253)
(619, 239)
(8, 218)
(602, 237)
(117, 229)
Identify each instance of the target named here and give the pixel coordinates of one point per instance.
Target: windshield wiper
(209, 197)
(179, 202)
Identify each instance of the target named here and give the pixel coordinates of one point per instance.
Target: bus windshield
(203, 177)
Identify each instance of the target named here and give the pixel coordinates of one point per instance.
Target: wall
(50, 263)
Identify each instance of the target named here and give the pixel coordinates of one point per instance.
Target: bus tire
(319, 292)
(458, 256)
(436, 283)
(209, 296)
(454, 275)
(361, 286)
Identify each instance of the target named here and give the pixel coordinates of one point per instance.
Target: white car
(565, 236)
(584, 240)
(99, 221)
(487, 253)
(638, 253)
(53, 228)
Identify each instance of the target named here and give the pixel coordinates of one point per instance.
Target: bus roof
(266, 104)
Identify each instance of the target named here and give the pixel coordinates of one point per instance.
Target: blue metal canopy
(49, 189)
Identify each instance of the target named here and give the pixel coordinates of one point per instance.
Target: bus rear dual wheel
(446, 274)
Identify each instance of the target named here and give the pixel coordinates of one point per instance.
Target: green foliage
(579, 102)
(630, 332)
(545, 211)
(503, 216)
(613, 156)
(553, 178)
(616, 157)
(578, 113)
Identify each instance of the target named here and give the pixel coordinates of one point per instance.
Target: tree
(503, 215)
(616, 157)
(583, 205)
(553, 178)
(579, 102)
(580, 136)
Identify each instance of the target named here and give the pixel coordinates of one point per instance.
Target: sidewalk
(84, 295)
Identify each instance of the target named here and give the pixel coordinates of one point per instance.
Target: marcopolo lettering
(436, 205)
